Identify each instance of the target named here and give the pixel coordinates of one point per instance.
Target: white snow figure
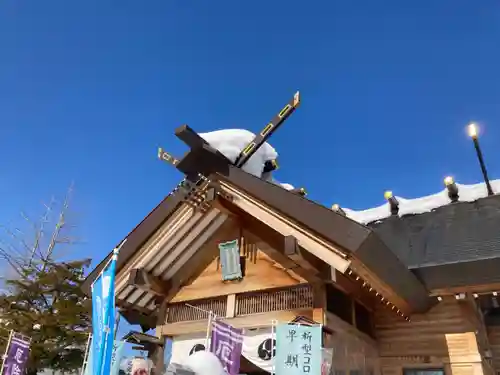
(204, 363)
(230, 142)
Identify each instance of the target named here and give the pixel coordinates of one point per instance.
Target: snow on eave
(467, 193)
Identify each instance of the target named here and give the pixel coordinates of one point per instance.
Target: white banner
(258, 347)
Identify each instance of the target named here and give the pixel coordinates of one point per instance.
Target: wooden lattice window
(196, 310)
(285, 299)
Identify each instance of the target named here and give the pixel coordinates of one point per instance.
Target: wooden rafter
(147, 282)
(293, 251)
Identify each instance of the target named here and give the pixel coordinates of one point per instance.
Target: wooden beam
(147, 282)
(310, 242)
(128, 306)
(203, 161)
(480, 289)
(187, 135)
(294, 252)
(201, 258)
(271, 243)
(231, 306)
(248, 321)
(202, 158)
(292, 268)
(157, 352)
(135, 317)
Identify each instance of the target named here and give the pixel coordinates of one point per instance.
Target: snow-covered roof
(467, 193)
(230, 142)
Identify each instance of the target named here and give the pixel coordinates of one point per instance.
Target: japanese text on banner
(298, 350)
(17, 356)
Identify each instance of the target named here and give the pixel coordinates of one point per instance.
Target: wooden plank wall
(352, 350)
(261, 272)
(445, 337)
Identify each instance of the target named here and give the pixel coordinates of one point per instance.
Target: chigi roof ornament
(197, 171)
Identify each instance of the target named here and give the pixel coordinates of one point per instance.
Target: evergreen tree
(46, 303)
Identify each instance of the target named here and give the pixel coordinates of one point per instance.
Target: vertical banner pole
(6, 351)
(106, 307)
(209, 329)
(110, 306)
(117, 322)
(86, 357)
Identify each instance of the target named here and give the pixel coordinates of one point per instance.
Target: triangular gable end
(184, 243)
(259, 271)
(179, 262)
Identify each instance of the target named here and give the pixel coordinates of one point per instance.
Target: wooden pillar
(157, 353)
(319, 302)
(231, 306)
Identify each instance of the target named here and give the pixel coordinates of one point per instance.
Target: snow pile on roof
(284, 185)
(467, 193)
(230, 142)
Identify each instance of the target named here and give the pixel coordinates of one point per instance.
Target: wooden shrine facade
(299, 261)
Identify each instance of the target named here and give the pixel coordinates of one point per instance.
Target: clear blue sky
(90, 89)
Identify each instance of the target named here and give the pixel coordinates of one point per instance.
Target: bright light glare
(472, 130)
(448, 181)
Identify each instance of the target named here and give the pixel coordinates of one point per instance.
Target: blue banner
(103, 309)
(298, 350)
(116, 357)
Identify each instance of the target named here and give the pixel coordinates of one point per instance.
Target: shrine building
(402, 295)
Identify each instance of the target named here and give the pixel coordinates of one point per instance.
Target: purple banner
(17, 356)
(226, 344)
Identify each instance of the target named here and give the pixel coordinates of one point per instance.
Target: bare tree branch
(49, 234)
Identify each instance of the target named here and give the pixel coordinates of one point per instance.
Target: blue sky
(90, 89)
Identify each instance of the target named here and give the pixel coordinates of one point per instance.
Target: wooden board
(249, 321)
(261, 272)
(445, 337)
(351, 349)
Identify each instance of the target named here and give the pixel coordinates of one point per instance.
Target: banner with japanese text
(298, 350)
(17, 356)
(226, 344)
(103, 311)
(116, 357)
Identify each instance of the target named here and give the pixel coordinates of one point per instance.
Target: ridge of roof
(422, 205)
